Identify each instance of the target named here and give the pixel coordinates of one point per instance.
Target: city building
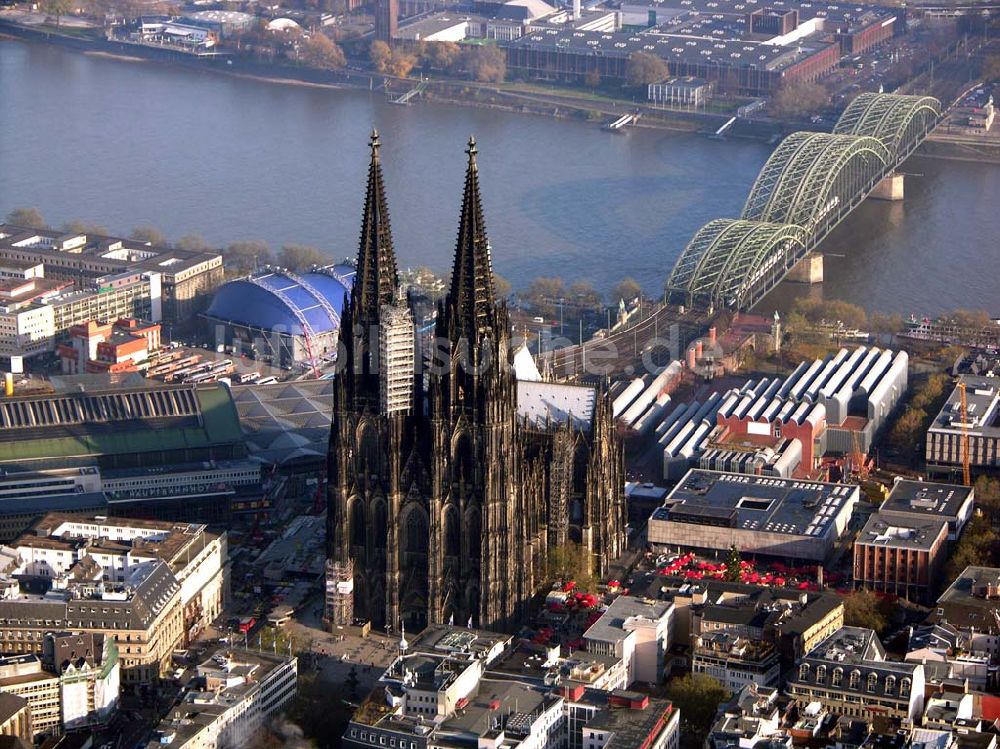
(634, 720)
(108, 347)
(902, 554)
(782, 518)
(15, 719)
(971, 604)
(184, 278)
(465, 687)
(149, 586)
(848, 674)
(639, 632)
(386, 20)
(952, 503)
(945, 434)
(87, 420)
(784, 426)
(25, 677)
(238, 692)
(751, 719)
(281, 317)
(690, 92)
(89, 677)
(734, 661)
(447, 509)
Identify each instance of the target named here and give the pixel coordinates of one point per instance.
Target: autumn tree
(644, 68)
(380, 55)
(192, 242)
(299, 257)
(544, 293)
(401, 63)
(441, 55)
(975, 548)
(501, 286)
(862, 608)
(83, 227)
(57, 8)
(798, 99)
(584, 295)
(571, 561)
(319, 51)
(148, 235)
(29, 217)
(628, 289)
(486, 63)
(243, 257)
(698, 696)
(593, 78)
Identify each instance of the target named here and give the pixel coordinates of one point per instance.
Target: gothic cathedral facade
(448, 478)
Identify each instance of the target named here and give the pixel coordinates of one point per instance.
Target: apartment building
(150, 586)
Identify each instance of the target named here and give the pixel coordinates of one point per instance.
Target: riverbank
(561, 103)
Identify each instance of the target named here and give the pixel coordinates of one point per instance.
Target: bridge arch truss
(812, 179)
(734, 262)
(900, 122)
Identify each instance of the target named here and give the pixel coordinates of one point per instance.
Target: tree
(798, 99)
(698, 697)
(57, 8)
(29, 217)
(299, 257)
(544, 294)
(319, 709)
(975, 548)
(441, 55)
(486, 63)
(148, 235)
(733, 565)
(571, 561)
(318, 51)
(593, 78)
(380, 55)
(627, 289)
(501, 286)
(585, 295)
(862, 608)
(644, 68)
(192, 242)
(83, 227)
(401, 63)
(241, 258)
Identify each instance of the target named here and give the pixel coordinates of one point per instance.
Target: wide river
(122, 144)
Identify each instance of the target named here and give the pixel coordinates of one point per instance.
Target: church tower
(370, 432)
(472, 408)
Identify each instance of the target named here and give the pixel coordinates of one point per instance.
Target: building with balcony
(734, 661)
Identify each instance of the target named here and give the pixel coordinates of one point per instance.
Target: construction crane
(966, 463)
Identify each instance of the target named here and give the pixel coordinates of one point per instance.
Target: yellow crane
(966, 464)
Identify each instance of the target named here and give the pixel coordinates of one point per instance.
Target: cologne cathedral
(453, 466)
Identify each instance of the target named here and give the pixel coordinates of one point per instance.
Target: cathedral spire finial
(377, 278)
(472, 297)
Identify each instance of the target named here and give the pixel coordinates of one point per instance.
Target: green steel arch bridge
(810, 183)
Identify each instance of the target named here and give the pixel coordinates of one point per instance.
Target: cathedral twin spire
(471, 297)
(377, 278)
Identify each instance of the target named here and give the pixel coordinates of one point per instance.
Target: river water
(122, 144)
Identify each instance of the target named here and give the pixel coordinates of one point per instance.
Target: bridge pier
(890, 188)
(808, 270)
